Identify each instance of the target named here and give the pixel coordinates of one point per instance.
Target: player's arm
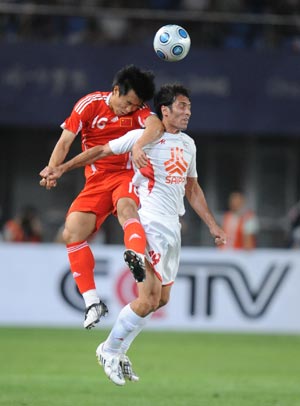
(58, 155)
(84, 158)
(196, 198)
(153, 131)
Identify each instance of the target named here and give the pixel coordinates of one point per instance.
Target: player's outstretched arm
(196, 198)
(58, 155)
(154, 129)
(84, 158)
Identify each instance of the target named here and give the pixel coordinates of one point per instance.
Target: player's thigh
(163, 245)
(126, 209)
(79, 226)
(125, 199)
(95, 198)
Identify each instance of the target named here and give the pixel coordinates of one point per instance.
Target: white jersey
(161, 184)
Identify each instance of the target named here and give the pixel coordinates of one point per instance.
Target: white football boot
(127, 370)
(93, 314)
(111, 365)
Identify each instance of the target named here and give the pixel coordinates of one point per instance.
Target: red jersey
(98, 124)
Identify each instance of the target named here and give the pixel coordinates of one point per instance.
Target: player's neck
(172, 130)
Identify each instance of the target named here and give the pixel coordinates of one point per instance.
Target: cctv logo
(208, 284)
(204, 278)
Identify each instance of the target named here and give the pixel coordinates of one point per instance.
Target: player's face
(124, 104)
(177, 116)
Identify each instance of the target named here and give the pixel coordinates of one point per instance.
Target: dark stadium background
(243, 71)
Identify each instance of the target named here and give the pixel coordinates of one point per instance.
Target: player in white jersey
(161, 189)
(169, 176)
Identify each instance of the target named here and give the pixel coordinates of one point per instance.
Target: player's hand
(139, 157)
(48, 180)
(50, 173)
(219, 235)
(48, 184)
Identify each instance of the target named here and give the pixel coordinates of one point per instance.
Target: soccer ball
(172, 43)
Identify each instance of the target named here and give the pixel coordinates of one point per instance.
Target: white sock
(127, 324)
(90, 297)
(126, 343)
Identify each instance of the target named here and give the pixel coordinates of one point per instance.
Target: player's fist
(45, 181)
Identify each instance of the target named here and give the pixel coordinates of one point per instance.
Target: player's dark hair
(132, 78)
(167, 95)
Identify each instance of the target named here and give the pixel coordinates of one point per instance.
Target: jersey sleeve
(142, 114)
(81, 113)
(125, 143)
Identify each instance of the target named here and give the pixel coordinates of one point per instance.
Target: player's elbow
(106, 150)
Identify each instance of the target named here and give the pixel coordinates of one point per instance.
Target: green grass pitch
(57, 367)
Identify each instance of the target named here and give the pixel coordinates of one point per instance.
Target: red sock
(82, 265)
(134, 236)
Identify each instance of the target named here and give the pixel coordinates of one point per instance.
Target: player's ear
(116, 90)
(164, 110)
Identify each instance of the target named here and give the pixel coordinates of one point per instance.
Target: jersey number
(133, 189)
(101, 123)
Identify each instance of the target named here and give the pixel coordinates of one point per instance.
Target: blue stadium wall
(233, 91)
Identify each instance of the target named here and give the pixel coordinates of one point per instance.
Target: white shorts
(163, 244)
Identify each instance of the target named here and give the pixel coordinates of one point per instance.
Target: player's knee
(163, 302)
(66, 236)
(69, 237)
(126, 209)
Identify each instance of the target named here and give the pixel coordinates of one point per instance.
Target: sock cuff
(130, 221)
(90, 297)
(75, 246)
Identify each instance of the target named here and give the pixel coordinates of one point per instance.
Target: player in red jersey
(101, 117)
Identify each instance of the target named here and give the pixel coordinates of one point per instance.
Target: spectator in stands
(26, 226)
(240, 224)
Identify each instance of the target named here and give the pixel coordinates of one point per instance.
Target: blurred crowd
(96, 29)
(239, 221)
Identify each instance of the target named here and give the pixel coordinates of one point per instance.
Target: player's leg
(125, 362)
(130, 322)
(126, 203)
(78, 227)
(163, 251)
(165, 295)
(85, 216)
(133, 315)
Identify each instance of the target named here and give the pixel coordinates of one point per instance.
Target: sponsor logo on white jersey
(176, 167)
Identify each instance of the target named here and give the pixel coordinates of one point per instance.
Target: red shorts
(101, 193)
